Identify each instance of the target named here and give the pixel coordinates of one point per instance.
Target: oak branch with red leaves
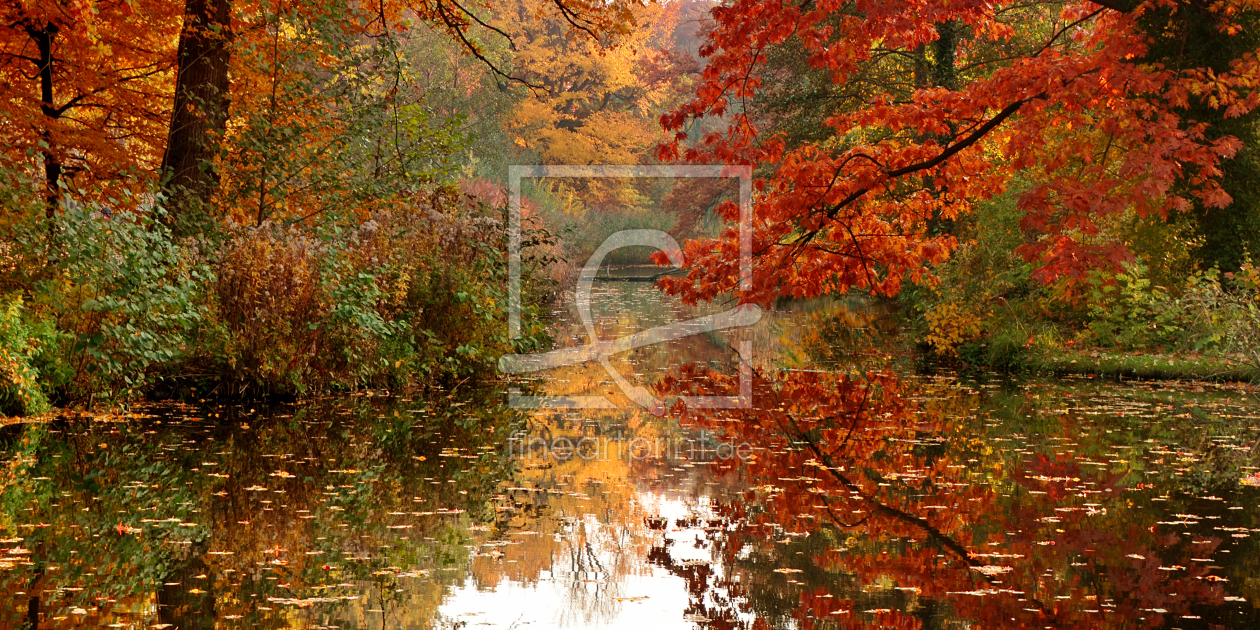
(950, 102)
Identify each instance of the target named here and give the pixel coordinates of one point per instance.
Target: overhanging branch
(949, 152)
(1123, 6)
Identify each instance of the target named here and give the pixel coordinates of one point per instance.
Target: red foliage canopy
(1064, 97)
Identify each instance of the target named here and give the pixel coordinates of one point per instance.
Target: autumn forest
(701, 314)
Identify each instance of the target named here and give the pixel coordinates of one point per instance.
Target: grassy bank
(1143, 367)
(1165, 314)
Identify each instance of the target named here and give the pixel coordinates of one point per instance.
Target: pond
(855, 489)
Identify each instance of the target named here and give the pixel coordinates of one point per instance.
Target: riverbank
(1118, 365)
(1143, 366)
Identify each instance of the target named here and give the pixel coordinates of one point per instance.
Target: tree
(1069, 95)
(82, 85)
(591, 103)
(97, 92)
(200, 111)
(1227, 234)
(592, 100)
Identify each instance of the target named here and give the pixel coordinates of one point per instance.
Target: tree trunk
(32, 603)
(199, 116)
(945, 71)
(922, 68)
(43, 36)
(32, 613)
(178, 607)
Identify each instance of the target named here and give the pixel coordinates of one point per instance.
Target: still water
(855, 491)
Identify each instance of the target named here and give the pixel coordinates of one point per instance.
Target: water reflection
(852, 494)
(867, 508)
(347, 515)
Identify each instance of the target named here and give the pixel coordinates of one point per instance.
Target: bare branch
(457, 26)
(572, 18)
(511, 43)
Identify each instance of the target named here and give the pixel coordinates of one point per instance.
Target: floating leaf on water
(993, 569)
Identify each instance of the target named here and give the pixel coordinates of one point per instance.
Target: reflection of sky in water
(647, 595)
(648, 598)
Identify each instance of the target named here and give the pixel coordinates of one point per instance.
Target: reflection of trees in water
(592, 587)
(189, 518)
(827, 333)
(711, 600)
(620, 309)
(867, 509)
(590, 535)
(601, 507)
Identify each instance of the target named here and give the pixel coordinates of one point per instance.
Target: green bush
(107, 305)
(987, 310)
(20, 344)
(1131, 311)
(123, 292)
(1228, 313)
(1202, 314)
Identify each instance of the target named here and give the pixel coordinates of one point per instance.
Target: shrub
(124, 292)
(1132, 312)
(20, 344)
(109, 304)
(1229, 315)
(410, 296)
(443, 264)
(981, 310)
(949, 325)
(266, 309)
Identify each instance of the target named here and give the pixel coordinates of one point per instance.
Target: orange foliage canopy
(87, 86)
(1066, 99)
